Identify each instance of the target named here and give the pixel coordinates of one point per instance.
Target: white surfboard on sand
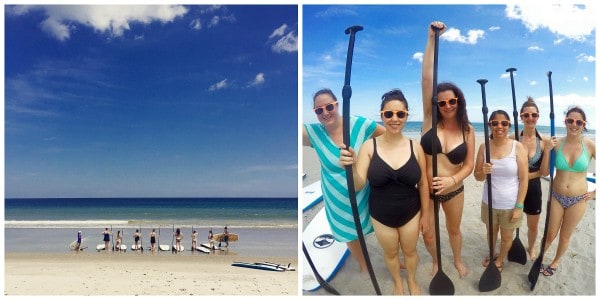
(100, 247)
(164, 247)
(202, 249)
(214, 247)
(181, 248)
(326, 254)
(312, 194)
(135, 248)
(83, 245)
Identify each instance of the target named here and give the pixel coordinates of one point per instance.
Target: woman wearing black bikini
(538, 152)
(455, 160)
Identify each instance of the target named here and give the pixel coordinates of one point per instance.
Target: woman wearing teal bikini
(569, 191)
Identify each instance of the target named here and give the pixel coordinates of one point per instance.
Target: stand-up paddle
(141, 243)
(534, 273)
(346, 94)
(517, 252)
(320, 279)
(491, 277)
(173, 250)
(441, 283)
(111, 239)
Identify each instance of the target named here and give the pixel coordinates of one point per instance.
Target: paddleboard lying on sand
(81, 247)
(257, 266)
(202, 249)
(233, 237)
(134, 247)
(312, 194)
(181, 248)
(122, 248)
(214, 247)
(591, 180)
(100, 247)
(164, 247)
(287, 267)
(327, 254)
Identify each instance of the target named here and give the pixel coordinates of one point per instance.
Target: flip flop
(549, 271)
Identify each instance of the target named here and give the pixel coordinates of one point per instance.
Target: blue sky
(482, 41)
(158, 101)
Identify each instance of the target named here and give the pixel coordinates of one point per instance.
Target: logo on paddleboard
(323, 241)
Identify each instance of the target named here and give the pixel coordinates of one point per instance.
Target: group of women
(393, 175)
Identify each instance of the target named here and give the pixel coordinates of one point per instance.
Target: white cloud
(418, 56)
(532, 82)
(535, 48)
(454, 35)
(219, 85)
(258, 80)
(494, 28)
(286, 42)
(585, 58)
(585, 78)
(507, 75)
(113, 20)
(575, 22)
(279, 31)
(337, 11)
(196, 24)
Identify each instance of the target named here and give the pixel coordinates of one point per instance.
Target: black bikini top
(456, 156)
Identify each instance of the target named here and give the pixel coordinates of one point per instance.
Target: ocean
(265, 225)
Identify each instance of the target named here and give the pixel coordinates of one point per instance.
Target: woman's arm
(469, 162)
(523, 173)
(478, 170)
(359, 164)
(423, 186)
(427, 74)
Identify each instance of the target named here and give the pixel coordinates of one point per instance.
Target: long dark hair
(577, 109)
(493, 115)
(461, 112)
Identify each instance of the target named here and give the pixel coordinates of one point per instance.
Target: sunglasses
(533, 115)
(390, 113)
(577, 122)
(503, 123)
(451, 101)
(328, 107)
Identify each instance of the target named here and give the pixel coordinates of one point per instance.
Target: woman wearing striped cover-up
(326, 138)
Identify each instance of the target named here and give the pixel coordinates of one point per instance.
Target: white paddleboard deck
(181, 248)
(327, 254)
(81, 247)
(202, 249)
(312, 194)
(164, 247)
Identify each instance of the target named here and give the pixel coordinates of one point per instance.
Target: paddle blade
(490, 279)
(517, 251)
(534, 273)
(441, 285)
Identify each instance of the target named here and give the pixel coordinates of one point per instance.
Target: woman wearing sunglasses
(569, 189)
(538, 153)
(326, 138)
(455, 143)
(394, 167)
(509, 176)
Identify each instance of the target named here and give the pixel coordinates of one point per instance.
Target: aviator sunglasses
(495, 123)
(533, 115)
(451, 101)
(390, 113)
(577, 122)
(328, 107)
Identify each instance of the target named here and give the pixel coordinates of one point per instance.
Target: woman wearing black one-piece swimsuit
(395, 168)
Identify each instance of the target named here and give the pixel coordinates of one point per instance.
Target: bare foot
(532, 255)
(414, 288)
(398, 289)
(434, 269)
(462, 270)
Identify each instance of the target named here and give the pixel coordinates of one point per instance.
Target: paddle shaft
(320, 279)
(533, 273)
(484, 109)
(346, 94)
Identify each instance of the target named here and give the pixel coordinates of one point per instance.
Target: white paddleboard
(81, 247)
(123, 247)
(181, 248)
(327, 254)
(164, 247)
(100, 247)
(134, 247)
(202, 249)
(312, 194)
(207, 246)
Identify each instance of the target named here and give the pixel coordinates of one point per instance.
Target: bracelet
(453, 179)
(517, 205)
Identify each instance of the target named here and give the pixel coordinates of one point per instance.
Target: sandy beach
(575, 276)
(144, 274)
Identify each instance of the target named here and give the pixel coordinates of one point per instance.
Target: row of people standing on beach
(394, 180)
(177, 236)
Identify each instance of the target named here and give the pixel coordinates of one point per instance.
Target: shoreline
(581, 254)
(137, 275)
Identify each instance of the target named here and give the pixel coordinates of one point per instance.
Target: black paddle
(320, 279)
(111, 239)
(517, 252)
(491, 277)
(173, 250)
(141, 244)
(441, 283)
(534, 273)
(346, 94)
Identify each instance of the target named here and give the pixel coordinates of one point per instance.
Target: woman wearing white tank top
(509, 170)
